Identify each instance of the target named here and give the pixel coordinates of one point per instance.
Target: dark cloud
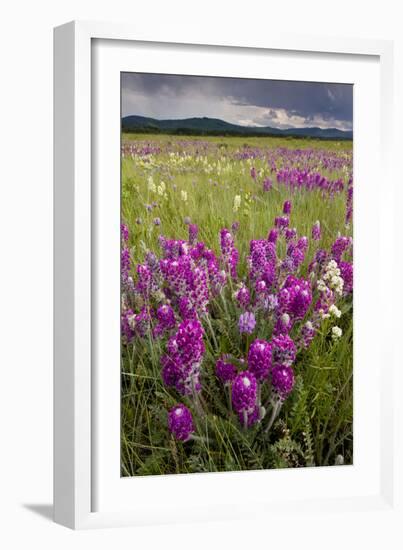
(265, 101)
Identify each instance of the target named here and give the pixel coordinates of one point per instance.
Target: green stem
(208, 321)
(275, 411)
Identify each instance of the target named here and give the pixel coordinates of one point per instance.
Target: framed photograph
(215, 356)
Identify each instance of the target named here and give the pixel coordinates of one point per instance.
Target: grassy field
(168, 181)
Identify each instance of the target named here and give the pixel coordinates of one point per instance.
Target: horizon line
(237, 124)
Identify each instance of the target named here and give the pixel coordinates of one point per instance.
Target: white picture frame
(86, 493)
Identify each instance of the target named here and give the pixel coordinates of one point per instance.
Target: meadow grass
(315, 427)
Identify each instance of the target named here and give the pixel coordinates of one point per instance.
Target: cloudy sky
(277, 103)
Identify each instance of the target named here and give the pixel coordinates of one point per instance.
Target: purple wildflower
(307, 334)
(199, 293)
(316, 232)
(180, 422)
(346, 272)
(281, 222)
(124, 232)
(126, 324)
(282, 380)
(262, 260)
(272, 236)
(341, 245)
(302, 243)
(230, 254)
(193, 232)
(260, 359)
(140, 322)
(247, 322)
(217, 278)
(186, 309)
(267, 184)
(125, 263)
(349, 202)
(290, 233)
(226, 372)
(284, 350)
(144, 280)
(156, 221)
(261, 287)
(244, 393)
(287, 208)
(283, 324)
(295, 297)
(166, 316)
(242, 296)
(235, 227)
(181, 363)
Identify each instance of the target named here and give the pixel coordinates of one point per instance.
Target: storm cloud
(277, 103)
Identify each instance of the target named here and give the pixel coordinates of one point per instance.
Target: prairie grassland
(215, 183)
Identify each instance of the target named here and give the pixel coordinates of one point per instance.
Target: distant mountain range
(215, 126)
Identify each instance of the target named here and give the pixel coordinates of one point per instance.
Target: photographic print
(236, 274)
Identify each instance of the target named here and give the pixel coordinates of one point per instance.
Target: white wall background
(26, 258)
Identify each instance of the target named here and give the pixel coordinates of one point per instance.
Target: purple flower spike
(127, 324)
(267, 184)
(235, 227)
(244, 392)
(287, 208)
(247, 323)
(341, 245)
(302, 243)
(181, 363)
(316, 232)
(243, 296)
(180, 422)
(307, 334)
(260, 359)
(284, 350)
(187, 309)
(166, 316)
(281, 222)
(229, 252)
(290, 234)
(346, 272)
(283, 325)
(295, 297)
(193, 232)
(282, 380)
(272, 236)
(125, 263)
(124, 232)
(156, 221)
(226, 372)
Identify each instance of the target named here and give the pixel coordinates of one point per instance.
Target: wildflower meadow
(236, 303)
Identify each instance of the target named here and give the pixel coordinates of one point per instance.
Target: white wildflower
(334, 310)
(321, 285)
(161, 188)
(336, 333)
(151, 184)
(184, 196)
